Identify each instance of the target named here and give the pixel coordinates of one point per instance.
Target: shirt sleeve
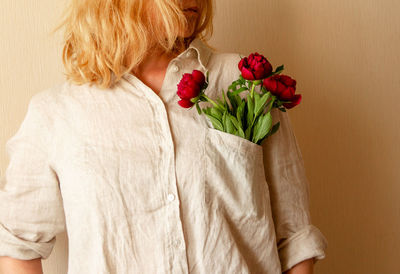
(297, 238)
(31, 210)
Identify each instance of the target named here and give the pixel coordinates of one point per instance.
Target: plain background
(344, 55)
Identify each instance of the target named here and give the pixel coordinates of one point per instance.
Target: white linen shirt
(142, 185)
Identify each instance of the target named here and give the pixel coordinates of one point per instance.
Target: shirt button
(175, 68)
(171, 197)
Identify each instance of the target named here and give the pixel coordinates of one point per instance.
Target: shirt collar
(203, 54)
(203, 51)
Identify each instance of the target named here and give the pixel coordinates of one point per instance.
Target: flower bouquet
(248, 117)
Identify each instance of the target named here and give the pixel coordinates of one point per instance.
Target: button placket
(168, 161)
(177, 258)
(177, 248)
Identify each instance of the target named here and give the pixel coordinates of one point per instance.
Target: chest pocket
(120, 179)
(235, 179)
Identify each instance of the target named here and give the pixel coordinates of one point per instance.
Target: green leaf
(247, 132)
(216, 113)
(238, 99)
(262, 127)
(256, 98)
(274, 128)
(260, 103)
(250, 110)
(207, 110)
(215, 117)
(232, 101)
(223, 96)
(239, 113)
(241, 132)
(229, 126)
(216, 123)
(224, 103)
(279, 69)
(235, 122)
(238, 91)
(263, 90)
(221, 103)
(235, 100)
(224, 120)
(234, 85)
(256, 127)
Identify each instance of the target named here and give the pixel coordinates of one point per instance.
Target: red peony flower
(284, 88)
(185, 103)
(190, 87)
(198, 77)
(255, 67)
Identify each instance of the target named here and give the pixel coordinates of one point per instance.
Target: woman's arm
(31, 205)
(296, 236)
(15, 266)
(304, 267)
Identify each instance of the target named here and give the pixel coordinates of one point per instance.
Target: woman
(141, 184)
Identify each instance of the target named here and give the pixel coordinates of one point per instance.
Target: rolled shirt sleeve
(297, 238)
(31, 210)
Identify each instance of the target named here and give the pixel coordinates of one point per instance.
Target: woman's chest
(129, 156)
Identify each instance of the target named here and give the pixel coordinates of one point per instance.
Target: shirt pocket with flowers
(234, 175)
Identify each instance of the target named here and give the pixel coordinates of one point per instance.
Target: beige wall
(344, 55)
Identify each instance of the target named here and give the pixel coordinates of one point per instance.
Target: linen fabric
(142, 185)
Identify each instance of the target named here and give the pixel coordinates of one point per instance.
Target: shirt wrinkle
(142, 185)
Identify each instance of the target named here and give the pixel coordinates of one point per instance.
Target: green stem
(252, 89)
(272, 102)
(212, 102)
(252, 96)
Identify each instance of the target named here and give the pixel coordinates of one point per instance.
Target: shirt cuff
(306, 243)
(15, 247)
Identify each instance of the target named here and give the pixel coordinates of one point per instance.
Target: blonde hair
(105, 37)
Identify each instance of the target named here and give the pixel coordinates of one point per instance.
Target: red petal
(193, 92)
(270, 84)
(287, 94)
(247, 74)
(287, 80)
(250, 58)
(179, 93)
(185, 103)
(267, 68)
(259, 71)
(280, 87)
(198, 77)
(242, 63)
(295, 101)
(186, 76)
(189, 92)
(181, 86)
